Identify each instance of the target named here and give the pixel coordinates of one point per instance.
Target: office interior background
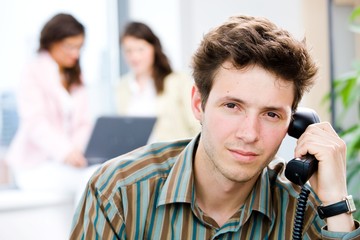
(180, 24)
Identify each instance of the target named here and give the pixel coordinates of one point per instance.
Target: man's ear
(196, 103)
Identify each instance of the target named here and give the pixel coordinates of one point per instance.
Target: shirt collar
(259, 199)
(178, 186)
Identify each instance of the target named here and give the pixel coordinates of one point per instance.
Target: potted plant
(347, 94)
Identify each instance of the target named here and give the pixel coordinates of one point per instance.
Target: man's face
(244, 122)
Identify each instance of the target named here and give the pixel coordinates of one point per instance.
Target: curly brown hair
(246, 41)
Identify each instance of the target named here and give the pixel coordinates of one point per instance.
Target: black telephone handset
(299, 170)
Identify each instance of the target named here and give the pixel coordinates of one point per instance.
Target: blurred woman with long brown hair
(47, 151)
(152, 88)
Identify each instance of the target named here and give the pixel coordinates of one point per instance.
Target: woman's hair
(58, 28)
(161, 66)
(247, 41)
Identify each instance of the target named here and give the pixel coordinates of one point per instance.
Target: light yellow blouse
(174, 115)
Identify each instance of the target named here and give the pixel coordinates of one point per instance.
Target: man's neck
(218, 197)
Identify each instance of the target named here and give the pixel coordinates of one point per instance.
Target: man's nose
(248, 128)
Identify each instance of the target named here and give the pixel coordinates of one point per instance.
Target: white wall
(200, 18)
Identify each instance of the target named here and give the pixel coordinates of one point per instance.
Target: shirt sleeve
(316, 227)
(97, 217)
(342, 235)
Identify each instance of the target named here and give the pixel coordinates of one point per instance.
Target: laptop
(115, 135)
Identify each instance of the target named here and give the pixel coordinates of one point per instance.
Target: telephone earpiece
(302, 118)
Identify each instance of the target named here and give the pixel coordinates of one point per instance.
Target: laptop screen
(116, 135)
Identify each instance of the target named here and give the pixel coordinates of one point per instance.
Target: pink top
(52, 121)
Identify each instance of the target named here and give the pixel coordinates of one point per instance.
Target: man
(226, 183)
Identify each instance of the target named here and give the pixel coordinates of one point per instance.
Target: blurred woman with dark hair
(47, 151)
(151, 88)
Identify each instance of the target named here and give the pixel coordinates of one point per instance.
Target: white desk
(35, 215)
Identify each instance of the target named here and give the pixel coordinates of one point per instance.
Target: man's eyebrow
(275, 108)
(238, 100)
(233, 99)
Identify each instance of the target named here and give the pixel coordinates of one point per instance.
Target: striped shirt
(150, 194)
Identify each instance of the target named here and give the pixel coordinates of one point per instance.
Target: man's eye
(230, 105)
(273, 115)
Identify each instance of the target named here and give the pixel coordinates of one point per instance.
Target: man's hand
(329, 182)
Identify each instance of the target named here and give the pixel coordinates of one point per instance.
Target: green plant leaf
(352, 174)
(347, 92)
(356, 214)
(354, 14)
(349, 130)
(345, 88)
(353, 24)
(353, 147)
(352, 134)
